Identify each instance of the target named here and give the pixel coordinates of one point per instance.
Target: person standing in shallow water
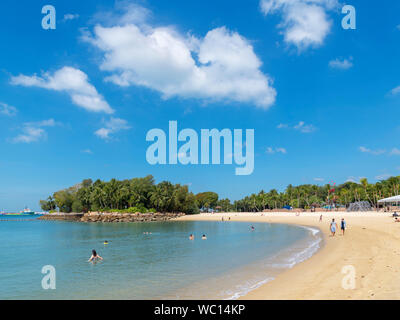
(94, 256)
(333, 227)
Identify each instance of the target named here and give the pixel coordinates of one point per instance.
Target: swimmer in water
(204, 237)
(105, 242)
(94, 256)
(191, 237)
(252, 228)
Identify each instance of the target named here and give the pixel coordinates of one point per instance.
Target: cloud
(271, 150)
(33, 131)
(7, 110)
(395, 152)
(383, 176)
(301, 126)
(70, 16)
(352, 179)
(112, 126)
(343, 64)
(395, 91)
(87, 151)
(304, 128)
(221, 66)
(374, 152)
(70, 80)
(319, 179)
(305, 23)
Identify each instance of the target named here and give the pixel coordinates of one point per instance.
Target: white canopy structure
(390, 200)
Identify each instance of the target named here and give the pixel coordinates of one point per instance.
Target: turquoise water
(163, 265)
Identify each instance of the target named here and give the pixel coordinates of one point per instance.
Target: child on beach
(333, 227)
(94, 256)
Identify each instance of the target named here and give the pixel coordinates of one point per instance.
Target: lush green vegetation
(307, 196)
(143, 195)
(131, 196)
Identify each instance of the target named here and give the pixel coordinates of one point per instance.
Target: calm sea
(161, 265)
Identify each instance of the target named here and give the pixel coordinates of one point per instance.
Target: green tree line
(135, 195)
(143, 195)
(308, 196)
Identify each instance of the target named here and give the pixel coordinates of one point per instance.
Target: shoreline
(110, 217)
(369, 247)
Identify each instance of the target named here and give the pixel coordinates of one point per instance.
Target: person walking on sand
(320, 218)
(333, 227)
(94, 256)
(343, 226)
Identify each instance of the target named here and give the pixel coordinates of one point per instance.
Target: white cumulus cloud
(305, 23)
(112, 126)
(221, 66)
(73, 81)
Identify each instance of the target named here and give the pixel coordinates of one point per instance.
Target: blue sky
(78, 101)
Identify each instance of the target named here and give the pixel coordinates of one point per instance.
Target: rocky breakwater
(62, 217)
(129, 217)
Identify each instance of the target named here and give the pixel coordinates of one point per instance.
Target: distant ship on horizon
(25, 212)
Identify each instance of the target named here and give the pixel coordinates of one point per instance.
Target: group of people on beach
(334, 227)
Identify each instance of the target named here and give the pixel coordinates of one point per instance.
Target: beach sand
(371, 245)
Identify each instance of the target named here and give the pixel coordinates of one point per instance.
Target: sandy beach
(371, 247)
